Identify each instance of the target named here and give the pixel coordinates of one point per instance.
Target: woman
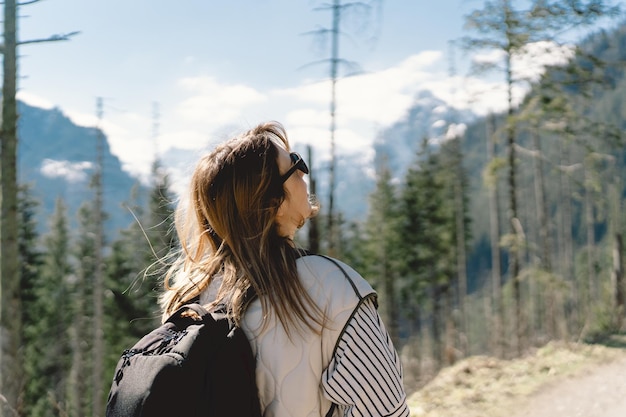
(320, 346)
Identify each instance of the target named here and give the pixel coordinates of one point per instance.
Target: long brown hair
(229, 229)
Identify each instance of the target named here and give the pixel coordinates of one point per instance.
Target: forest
(499, 237)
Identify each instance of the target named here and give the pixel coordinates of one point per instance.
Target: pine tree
(136, 265)
(381, 247)
(51, 361)
(160, 218)
(98, 216)
(454, 180)
(83, 250)
(427, 232)
(132, 309)
(30, 261)
(413, 287)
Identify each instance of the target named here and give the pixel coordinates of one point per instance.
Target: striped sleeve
(364, 377)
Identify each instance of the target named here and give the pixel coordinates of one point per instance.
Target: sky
(210, 69)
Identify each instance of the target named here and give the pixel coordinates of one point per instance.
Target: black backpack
(197, 364)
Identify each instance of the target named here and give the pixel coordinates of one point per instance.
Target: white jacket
(289, 371)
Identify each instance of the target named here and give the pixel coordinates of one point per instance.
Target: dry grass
(488, 387)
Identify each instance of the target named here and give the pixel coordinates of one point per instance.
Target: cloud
(491, 57)
(72, 172)
(481, 96)
(34, 100)
(530, 62)
(455, 130)
(381, 96)
(489, 94)
(214, 104)
(365, 103)
(439, 123)
(204, 109)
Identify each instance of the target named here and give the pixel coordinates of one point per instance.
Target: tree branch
(529, 152)
(344, 62)
(53, 38)
(569, 169)
(26, 3)
(327, 6)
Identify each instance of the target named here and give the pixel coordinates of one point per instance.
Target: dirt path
(557, 380)
(596, 392)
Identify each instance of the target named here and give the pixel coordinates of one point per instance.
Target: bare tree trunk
(544, 238)
(391, 304)
(77, 373)
(461, 328)
(461, 256)
(79, 334)
(437, 350)
(541, 209)
(12, 374)
(98, 287)
(381, 222)
(530, 287)
(591, 240)
(337, 8)
(313, 225)
(494, 230)
(567, 260)
(450, 327)
(415, 345)
(513, 215)
(334, 66)
(618, 278)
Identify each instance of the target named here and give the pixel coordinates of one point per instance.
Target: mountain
(428, 117)
(57, 159)
(398, 145)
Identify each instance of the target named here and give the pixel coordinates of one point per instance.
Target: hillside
(558, 380)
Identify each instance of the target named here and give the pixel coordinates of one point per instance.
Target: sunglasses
(298, 164)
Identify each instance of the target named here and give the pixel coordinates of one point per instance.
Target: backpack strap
(300, 252)
(304, 252)
(345, 274)
(248, 298)
(179, 315)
